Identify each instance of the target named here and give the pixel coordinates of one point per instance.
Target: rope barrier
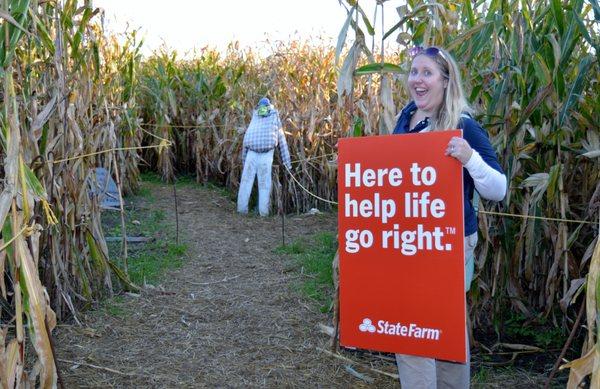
(536, 217)
(334, 202)
(186, 126)
(109, 150)
(480, 211)
(307, 191)
(169, 143)
(312, 158)
(156, 136)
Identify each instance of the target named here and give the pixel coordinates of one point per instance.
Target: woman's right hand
(460, 149)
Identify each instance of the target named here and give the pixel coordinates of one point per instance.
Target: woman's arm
(490, 183)
(478, 156)
(483, 165)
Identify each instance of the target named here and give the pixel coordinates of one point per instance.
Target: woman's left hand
(459, 149)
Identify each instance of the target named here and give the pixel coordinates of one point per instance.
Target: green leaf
(576, 88)
(18, 12)
(358, 127)
(96, 56)
(596, 11)
(559, 82)
(44, 139)
(559, 17)
(541, 69)
(495, 8)
(419, 33)
(475, 92)
(365, 19)
(586, 34)
(553, 182)
(86, 289)
(466, 36)
(498, 93)
(525, 12)
(33, 183)
(569, 40)
(42, 33)
(378, 68)
(98, 258)
(468, 13)
(7, 235)
(556, 51)
(483, 38)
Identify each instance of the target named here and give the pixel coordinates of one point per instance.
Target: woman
(438, 103)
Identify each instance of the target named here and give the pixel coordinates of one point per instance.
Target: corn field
(204, 105)
(67, 91)
(74, 99)
(533, 77)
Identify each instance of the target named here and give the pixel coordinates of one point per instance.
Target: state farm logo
(367, 326)
(411, 330)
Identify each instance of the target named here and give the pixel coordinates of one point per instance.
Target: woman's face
(426, 84)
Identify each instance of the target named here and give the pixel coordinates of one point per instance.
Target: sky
(186, 24)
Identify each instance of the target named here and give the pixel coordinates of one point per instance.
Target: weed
(149, 264)
(113, 307)
(158, 215)
(151, 178)
(297, 247)
(186, 180)
(480, 376)
(542, 334)
(146, 193)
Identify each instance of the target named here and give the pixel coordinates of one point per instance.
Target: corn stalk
(67, 98)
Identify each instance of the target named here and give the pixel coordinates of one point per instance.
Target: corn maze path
(229, 317)
(232, 316)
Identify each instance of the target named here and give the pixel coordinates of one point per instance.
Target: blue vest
(477, 138)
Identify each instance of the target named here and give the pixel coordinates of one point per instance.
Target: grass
(182, 180)
(147, 261)
(313, 257)
(187, 180)
(146, 193)
(150, 178)
(114, 306)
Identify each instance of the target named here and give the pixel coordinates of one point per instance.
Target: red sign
(401, 232)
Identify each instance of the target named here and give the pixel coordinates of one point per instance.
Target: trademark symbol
(451, 230)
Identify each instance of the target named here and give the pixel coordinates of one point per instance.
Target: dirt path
(230, 317)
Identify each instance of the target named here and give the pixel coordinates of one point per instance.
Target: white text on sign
(417, 204)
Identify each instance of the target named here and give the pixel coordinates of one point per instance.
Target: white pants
(428, 373)
(259, 165)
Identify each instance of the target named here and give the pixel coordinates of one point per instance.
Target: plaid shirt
(263, 134)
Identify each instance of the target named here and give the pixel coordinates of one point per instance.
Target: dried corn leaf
(36, 309)
(13, 366)
(592, 294)
(42, 118)
(582, 367)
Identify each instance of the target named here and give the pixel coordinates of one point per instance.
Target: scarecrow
(262, 136)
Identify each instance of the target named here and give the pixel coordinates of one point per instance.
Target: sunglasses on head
(431, 51)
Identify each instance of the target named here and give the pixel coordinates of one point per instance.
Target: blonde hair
(454, 102)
